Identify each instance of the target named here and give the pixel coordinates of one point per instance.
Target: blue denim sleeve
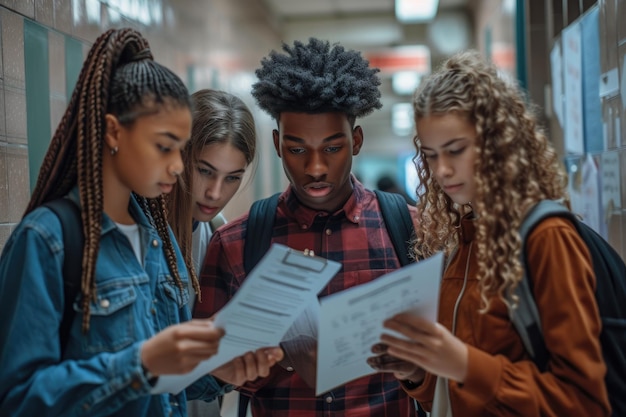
(34, 380)
(207, 389)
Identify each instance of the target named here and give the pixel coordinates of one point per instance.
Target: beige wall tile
(15, 107)
(5, 232)
(87, 19)
(13, 48)
(55, 14)
(18, 181)
(622, 175)
(58, 105)
(44, 12)
(3, 125)
(63, 15)
(4, 186)
(56, 51)
(24, 7)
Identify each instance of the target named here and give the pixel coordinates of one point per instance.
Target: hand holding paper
(249, 366)
(428, 345)
(351, 321)
(269, 301)
(300, 343)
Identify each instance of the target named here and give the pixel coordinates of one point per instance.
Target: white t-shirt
(131, 231)
(199, 241)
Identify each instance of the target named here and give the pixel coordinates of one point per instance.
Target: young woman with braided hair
(483, 164)
(116, 151)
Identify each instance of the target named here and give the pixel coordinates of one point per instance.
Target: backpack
(610, 272)
(68, 213)
(261, 225)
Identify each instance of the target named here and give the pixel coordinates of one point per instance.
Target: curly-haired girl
(483, 163)
(116, 151)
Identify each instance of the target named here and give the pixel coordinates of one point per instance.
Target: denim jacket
(100, 372)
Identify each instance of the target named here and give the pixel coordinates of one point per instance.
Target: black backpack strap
(68, 213)
(261, 225)
(526, 317)
(259, 231)
(399, 223)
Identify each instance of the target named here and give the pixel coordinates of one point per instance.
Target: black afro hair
(317, 78)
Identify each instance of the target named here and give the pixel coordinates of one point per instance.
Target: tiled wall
(14, 175)
(209, 43)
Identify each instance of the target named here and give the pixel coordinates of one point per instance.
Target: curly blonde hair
(515, 167)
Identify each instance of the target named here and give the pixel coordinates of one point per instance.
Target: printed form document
(273, 296)
(351, 321)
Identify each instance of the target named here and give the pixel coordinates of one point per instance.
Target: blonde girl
(483, 163)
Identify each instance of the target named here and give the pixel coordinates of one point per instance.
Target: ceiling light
(415, 11)
(405, 82)
(402, 119)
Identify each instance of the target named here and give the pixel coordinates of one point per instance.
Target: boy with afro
(315, 92)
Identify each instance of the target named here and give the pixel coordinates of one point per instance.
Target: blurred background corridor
(569, 55)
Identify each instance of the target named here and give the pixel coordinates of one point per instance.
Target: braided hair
(317, 78)
(118, 77)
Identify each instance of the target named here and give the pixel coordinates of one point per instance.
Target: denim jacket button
(105, 303)
(155, 243)
(136, 384)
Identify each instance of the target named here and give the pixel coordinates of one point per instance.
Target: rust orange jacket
(501, 380)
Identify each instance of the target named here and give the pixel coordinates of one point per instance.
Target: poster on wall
(610, 186)
(556, 67)
(573, 106)
(592, 105)
(584, 190)
(590, 192)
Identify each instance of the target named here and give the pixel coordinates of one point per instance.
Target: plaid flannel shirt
(354, 235)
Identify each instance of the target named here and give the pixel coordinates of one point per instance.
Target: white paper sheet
(300, 343)
(271, 298)
(351, 321)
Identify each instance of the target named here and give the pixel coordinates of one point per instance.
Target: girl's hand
(430, 346)
(179, 348)
(401, 369)
(250, 366)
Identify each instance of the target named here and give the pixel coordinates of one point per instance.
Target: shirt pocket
(112, 319)
(173, 298)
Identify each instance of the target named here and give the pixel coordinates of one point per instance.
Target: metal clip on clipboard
(304, 259)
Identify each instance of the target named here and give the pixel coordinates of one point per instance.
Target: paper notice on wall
(591, 212)
(573, 85)
(556, 66)
(610, 184)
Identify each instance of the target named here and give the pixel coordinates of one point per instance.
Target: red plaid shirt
(355, 236)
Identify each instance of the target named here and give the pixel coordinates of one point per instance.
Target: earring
(114, 151)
